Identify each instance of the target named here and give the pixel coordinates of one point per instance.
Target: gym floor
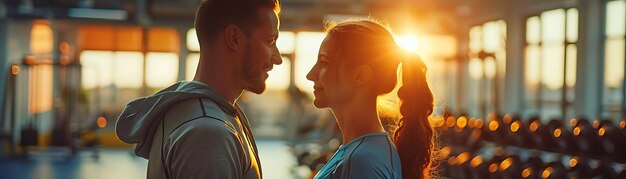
(121, 163)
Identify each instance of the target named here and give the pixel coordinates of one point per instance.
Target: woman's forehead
(328, 47)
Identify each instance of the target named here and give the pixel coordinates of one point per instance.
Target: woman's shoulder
(374, 149)
(371, 144)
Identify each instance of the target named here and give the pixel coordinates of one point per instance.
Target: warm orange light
(493, 168)
(557, 133)
(493, 125)
(438, 121)
(546, 173)
(15, 69)
(507, 118)
(479, 123)
(101, 122)
(526, 172)
(573, 162)
(506, 164)
(450, 122)
(461, 122)
(452, 160)
(576, 130)
(41, 37)
(573, 122)
(445, 151)
(601, 131)
(462, 158)
(476, 161)
(534, 126)
(515, 126)
(622, 124)
(408, 42)
(64, 47)
(471, 122)
(596, 124)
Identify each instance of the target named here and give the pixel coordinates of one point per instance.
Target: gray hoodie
(188, 130)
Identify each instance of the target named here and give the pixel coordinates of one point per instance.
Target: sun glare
(408, 42)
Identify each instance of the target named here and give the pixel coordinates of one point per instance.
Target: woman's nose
(311, 76)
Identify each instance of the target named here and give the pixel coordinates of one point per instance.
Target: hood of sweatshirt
(138, 122)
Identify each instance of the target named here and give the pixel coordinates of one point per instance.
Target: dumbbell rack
(506, 147)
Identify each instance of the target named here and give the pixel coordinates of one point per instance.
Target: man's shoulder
(196, 108)
(203, 131)
(207, 126)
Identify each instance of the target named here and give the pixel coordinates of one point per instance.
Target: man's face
(261, 52)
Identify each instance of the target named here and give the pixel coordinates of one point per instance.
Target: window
(307, 47)
(550, 63)
(486, 67)
(613, 90)
(162, 69)
(40, 73)
(193, 58)
(113, 68)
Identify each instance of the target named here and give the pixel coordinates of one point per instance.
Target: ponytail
(414, 136)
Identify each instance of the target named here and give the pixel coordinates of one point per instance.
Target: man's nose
(276, 58)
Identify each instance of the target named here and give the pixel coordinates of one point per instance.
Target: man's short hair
(214, 15)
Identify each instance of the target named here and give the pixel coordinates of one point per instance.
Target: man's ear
(232, 36)
(362, 74)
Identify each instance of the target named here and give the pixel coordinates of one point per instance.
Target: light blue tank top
(371, 155)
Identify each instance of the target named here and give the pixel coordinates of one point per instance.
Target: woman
(357, 62)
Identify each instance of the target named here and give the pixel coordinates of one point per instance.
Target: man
(195, 129)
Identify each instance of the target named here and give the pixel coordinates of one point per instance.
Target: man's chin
(255, 88)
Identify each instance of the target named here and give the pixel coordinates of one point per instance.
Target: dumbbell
(556, 137)
(532, 168)
(613, 140)
(479, 167)
(520, 134)
(448, 135)
(510, 129)
(461, 165)
(554, 170)
(511, 167)
(589, 141)
(579, 168)
(463, 131)
(543, 136)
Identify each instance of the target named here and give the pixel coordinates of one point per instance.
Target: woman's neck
(357, 118)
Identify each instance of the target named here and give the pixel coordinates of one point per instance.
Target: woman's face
(331, 85)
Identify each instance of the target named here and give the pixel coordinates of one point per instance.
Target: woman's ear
(362, 74)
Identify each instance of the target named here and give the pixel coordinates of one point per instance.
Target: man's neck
(220, 77)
